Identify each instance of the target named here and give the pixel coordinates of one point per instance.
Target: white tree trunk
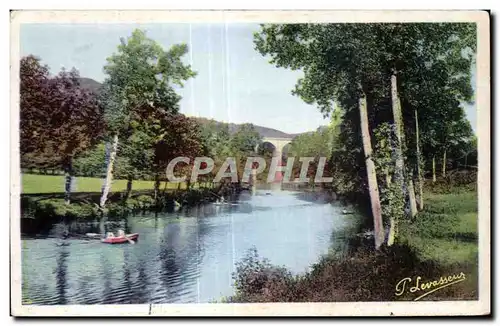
(433, 169)
(400, 166)
(398, 121)
(392, 220)
(109, 172)
(444, 164)
(413, 202)
(371, 174)
(392, 231)
(419, 167)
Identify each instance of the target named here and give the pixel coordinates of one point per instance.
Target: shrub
(82, 210)
(365, 275)
(256, 280)
(56, 207)
(145, 201)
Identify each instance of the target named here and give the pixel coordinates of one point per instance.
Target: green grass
(446, 230)
(38, 183)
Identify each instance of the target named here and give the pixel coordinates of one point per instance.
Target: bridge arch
(278, 143)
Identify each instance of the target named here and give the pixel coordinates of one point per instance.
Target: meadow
(44, 184)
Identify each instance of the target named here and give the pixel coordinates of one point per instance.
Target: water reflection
(61, 269)
(184, 256)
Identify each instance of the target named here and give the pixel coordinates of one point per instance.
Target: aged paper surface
(192, 156)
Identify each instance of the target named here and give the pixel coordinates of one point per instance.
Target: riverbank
(440, 243)
(41, 208)
(47, 184)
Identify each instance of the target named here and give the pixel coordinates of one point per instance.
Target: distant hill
(263, 131)
(91, 85)
(95, 87)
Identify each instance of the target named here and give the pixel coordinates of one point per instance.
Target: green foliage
(457, 181)
(448, 222)
(391, 197)
(244, 141)
(258, 278)
(142, 73)
(340, 62)
(56, 207)
(216, 140)
(313, 144)
(141, 103)
(141, 202)
(91, 162)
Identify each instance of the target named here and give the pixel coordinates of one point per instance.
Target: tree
(181, 138)
(340, 65)
(60, 119)
(140, 74)
(399, 68)
(243, 144)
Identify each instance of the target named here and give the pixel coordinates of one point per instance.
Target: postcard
(250, 163)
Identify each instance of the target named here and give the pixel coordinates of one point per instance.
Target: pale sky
(234, 83)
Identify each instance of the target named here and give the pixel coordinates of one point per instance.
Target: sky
(234, 84)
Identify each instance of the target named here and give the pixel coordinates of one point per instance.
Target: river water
(186, 256)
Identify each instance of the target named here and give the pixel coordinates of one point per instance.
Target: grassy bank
(41, 184)
(42, 199)
(442, 241)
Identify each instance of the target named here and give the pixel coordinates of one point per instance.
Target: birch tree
(140, 73)
(341, 66)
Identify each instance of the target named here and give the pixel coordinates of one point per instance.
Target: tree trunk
(419, 166)
(392, 220)
(400, 166)
(411, 194)
(392, 231)
(157, 187)
(130, 180)
(433, 169)
(398, 123)
(371, 173)
(444, 164)
(68, 178)
(109, 172)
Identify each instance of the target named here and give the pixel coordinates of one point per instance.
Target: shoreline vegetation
(441, 244)
(44, 203)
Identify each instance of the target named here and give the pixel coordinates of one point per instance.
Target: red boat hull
(115, 240)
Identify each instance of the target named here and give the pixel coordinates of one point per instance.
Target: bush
(455, 181)
(82, 210)
(56, 207)
(145, 201)
(256, 280)
(365, 275)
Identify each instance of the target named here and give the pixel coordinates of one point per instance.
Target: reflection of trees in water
(126, 276)
(107, 273)
(85, 291)
(61, 273)
(345, 240)
(140, 292)
(181, 253)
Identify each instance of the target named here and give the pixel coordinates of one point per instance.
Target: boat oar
(129, 240)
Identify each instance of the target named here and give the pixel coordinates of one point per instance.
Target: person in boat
(110, 235)
(121, 233)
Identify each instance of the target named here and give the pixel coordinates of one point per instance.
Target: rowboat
(121, 239)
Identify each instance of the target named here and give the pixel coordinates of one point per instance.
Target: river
(186, 256)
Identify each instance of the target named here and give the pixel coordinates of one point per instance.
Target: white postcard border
(428, 308)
